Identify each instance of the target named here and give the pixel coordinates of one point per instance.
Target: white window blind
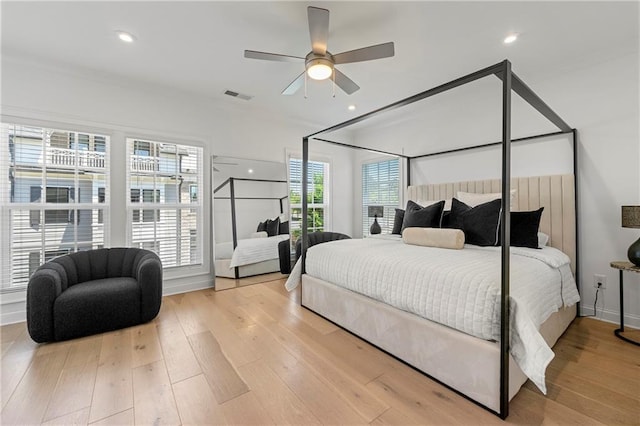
(380, 187)
(54, 187)
(317, 197)
(163, 208)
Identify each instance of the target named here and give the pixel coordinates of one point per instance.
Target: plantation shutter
(380, 187)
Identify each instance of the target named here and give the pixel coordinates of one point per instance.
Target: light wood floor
(252, 355)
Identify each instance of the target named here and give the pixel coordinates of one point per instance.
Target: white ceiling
(198, 46)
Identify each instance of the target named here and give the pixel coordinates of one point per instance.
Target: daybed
(481, 368)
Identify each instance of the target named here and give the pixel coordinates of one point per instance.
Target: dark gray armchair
(93, 291)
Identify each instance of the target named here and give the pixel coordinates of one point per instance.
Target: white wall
(602, 102)
(60, 98)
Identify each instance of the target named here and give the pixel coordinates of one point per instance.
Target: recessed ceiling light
(125, 36)
(250, 171)
(510, 38)
(351, 107)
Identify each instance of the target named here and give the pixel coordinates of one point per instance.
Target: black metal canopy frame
(510, 82)
(232, 196)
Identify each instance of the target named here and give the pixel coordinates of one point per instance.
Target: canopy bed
(487, 366)
(258, 254)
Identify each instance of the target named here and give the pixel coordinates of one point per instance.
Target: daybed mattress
(250, 250)
(456, 288)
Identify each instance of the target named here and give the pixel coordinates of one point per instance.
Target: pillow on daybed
(273, 227)
(259, 234)
(262, 226)
(472, 199)
(284, 227)
(480, 224)
(543, 239)
(447, 203)
(434, 237)
(524, 228)
(422, 217)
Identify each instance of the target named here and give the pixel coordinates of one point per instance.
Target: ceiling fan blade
(318, 29)
(295, 85)
(252, 54)
(344, 82)
(384, 50)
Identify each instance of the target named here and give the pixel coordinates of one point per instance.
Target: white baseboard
(632, 321)
(13, 317)
(187, 287)
(14, 312)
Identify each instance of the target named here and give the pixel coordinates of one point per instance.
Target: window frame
(294, 229)
(38, 159)
(165, 211)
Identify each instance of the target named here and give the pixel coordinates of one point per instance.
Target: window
(317, 197)
(54, 194)
(50, 197)
(380, 187)
(164, 211)
(147, 197)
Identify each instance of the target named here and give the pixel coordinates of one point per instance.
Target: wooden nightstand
(624, 266)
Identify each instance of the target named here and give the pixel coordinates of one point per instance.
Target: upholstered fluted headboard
(555, 193)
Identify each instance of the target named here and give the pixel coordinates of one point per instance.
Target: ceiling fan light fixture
(510, 38)
(319, 69)
(125, 36)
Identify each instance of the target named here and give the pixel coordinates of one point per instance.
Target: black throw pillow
(481, 223)
(397, 222)
(416, 216)
(454, 218)
(524, 228)
(262, 227)
(446, 219)
(273, 227)
(284, 227)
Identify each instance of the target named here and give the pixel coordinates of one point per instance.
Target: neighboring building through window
(50, 197)
(380, 187)
(317, 197)
(164, 211)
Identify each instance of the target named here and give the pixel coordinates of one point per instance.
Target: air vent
(237, 95)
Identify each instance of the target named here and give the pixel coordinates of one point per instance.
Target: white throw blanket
(457, 288)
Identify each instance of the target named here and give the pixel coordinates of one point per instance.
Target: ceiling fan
(320, 63)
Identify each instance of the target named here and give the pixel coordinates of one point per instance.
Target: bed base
(467, 364)
(266, 267)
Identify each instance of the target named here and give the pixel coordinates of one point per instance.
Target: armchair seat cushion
(96, 306)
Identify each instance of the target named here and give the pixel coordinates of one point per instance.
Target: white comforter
(251, 250)
(457, 288)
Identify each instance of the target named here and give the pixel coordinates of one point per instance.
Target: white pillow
(543, 239)
(260, 234)
(425, 203)
(472, 199)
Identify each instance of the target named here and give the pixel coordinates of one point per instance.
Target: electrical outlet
(600, 281)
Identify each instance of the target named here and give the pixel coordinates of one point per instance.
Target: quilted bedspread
(457, 288)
